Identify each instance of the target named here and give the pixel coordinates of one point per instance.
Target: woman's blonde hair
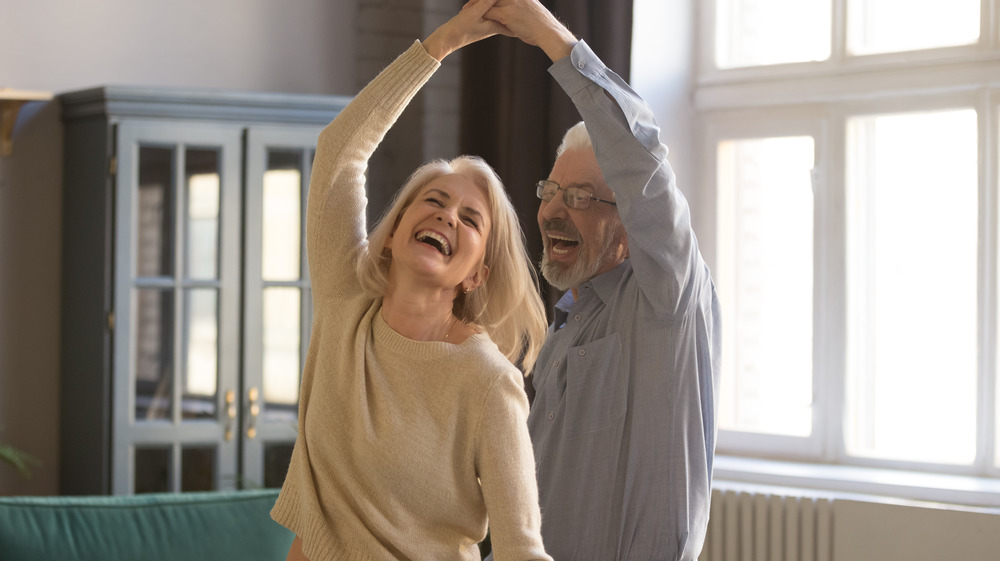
(507, 306)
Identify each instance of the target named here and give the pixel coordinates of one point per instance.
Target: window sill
(839, 481)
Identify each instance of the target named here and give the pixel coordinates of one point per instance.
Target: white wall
(871, 531)
(300, 46)
(663, 74)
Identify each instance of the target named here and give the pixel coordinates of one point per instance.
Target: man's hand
(533, 23)
(466, 27)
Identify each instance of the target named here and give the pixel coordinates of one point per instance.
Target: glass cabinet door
(277, 297)
(176, 316)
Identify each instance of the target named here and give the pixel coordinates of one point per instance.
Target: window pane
(202, 253)
(282, 222)
(198, 468)
(201, 345)
(155, 227)
(282, 344)
(154, 353)
(758, 32)
(876, 26)
(912, 266)
(276, 460)
(152, 470)
(765, 277)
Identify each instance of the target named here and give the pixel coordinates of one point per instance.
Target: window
(851, 180)
(912, 247)
(879, 26)
(757, 32)
(765, 216)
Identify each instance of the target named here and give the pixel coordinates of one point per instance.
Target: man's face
(579, 244)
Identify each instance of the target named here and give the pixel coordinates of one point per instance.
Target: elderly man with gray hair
(623, 419)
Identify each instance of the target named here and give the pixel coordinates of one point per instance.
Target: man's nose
(554, 208)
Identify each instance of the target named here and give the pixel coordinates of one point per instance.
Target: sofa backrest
(210, 526)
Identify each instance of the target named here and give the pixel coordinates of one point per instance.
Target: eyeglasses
(574, 197)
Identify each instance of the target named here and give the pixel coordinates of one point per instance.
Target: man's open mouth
(562, 244)
(435, 240)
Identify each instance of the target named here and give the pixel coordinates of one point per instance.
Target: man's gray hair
(575, 137)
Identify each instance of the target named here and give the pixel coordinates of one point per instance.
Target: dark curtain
(513, 112)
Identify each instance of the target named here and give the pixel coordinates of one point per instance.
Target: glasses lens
(547, 190)
(577, 198)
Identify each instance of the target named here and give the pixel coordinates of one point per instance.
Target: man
(623, 419)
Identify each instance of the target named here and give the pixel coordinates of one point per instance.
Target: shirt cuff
(582, 65)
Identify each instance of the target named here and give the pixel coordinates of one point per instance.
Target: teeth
(555, 248)
(442, 242)
(561, 238)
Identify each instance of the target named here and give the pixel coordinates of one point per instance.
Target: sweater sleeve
(506, 468)
(335, 220)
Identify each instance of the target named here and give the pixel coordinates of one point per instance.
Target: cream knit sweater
(404, 446)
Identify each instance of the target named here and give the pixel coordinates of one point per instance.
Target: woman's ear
(476, 279)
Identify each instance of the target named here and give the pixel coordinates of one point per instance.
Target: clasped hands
(528, 20)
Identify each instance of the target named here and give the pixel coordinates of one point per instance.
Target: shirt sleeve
(669, 434)
(506, 468)
(662, 245)
(335, 221)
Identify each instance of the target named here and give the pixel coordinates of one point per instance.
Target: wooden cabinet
(186, 295)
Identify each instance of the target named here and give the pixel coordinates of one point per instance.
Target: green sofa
(209, 526)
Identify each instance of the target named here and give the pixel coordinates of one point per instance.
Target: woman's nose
(447, 218)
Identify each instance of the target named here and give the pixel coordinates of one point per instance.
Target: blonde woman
(412, 418)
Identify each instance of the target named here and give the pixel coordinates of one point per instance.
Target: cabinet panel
(277, 295)
(177, 304)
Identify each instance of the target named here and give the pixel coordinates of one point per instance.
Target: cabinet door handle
(254, 395)
(230, 414)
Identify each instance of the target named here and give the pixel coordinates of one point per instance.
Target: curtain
(514, 114)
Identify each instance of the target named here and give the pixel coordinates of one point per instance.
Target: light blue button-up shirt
(623, 419)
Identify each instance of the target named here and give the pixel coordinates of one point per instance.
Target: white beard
(564, 277)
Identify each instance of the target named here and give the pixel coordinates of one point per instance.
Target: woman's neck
(417, 319)
(421, 311)
(423, 315)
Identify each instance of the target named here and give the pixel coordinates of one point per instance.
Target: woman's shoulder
(487, 363)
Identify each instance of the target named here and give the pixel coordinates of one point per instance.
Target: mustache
(560, 226)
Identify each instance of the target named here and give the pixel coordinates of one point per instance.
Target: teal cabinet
(185, 295)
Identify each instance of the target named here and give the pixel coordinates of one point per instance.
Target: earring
(466, 289)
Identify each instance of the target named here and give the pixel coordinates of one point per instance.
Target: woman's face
(441, 237)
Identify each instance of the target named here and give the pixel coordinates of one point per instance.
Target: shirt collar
(603, 284)
(606, 283)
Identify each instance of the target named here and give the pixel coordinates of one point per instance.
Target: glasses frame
(585, 201)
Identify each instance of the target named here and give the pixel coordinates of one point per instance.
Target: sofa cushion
(214, 526)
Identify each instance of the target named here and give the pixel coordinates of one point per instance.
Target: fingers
(468, 26)
(477, 8)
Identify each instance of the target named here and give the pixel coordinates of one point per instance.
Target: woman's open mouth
(435, 240)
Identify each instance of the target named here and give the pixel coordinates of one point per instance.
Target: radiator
(745, 526)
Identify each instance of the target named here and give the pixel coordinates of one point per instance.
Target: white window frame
(817, 99)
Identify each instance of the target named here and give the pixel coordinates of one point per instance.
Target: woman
(412, 419)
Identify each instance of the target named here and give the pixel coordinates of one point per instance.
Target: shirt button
(556, 363)
(581, 65)
(583, 352)
(552, 415)
(577, 317)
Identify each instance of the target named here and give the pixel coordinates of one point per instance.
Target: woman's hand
(467, 27)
